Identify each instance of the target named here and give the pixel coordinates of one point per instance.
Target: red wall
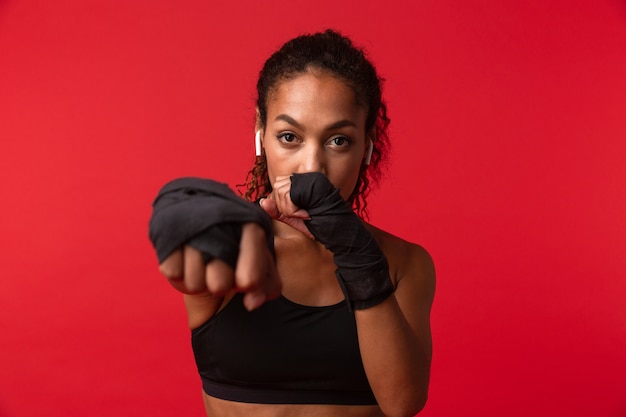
(509, 132)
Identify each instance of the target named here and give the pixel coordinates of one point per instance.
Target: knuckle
(255, 232)
(194, 287)
(247, 281)
(218, 286)
(169, 271)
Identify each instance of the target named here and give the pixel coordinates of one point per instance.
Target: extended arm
(207, 239)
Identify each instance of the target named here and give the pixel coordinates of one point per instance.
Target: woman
(329, 316)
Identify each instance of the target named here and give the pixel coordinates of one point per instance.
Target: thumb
(269, 206)
(297, 224)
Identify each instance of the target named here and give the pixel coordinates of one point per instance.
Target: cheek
(278, 164)
(346, 176)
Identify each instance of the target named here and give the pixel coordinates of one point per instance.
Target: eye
(287, 137)
(340, 141)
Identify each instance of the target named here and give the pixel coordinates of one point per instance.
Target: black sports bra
(282, 353)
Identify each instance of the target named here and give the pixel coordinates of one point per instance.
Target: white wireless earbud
(368, 154)
(257, 143)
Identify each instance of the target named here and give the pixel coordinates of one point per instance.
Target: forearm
(395, 352)
(396, 361)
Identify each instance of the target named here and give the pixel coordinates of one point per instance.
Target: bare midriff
(216, 407)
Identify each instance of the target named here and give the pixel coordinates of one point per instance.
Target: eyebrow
(337, 125)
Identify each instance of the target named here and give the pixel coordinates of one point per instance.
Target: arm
(393, 326)
(206, 238)
(395, 338)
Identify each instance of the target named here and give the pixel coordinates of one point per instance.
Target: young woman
(317, 313)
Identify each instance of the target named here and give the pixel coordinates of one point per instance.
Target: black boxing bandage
(362, 268)
(205, 214)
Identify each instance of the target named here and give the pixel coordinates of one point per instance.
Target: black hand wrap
(206, 215)
(362, 268)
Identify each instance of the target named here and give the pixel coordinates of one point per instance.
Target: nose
(313, 159)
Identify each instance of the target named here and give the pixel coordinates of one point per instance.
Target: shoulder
(410, 265)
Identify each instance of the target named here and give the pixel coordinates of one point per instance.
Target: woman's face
(314, 124)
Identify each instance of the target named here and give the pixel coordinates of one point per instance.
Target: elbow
(408, 408)
(419, 406)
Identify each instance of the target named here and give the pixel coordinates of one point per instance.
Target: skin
(315, 124)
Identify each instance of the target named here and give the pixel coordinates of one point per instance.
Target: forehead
(314, 94)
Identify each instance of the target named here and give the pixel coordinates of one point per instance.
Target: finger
(281, 186)
(172, 266)
(194, 271)
(295, 221)
(283, 178)
(282, 193)
(250, 264)
(271, 286)
(254, 299)
(297, 224)
(220, 277)
(173, 269)
(301, 214)
(256, 272)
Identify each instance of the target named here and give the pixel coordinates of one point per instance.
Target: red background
(509, 135)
